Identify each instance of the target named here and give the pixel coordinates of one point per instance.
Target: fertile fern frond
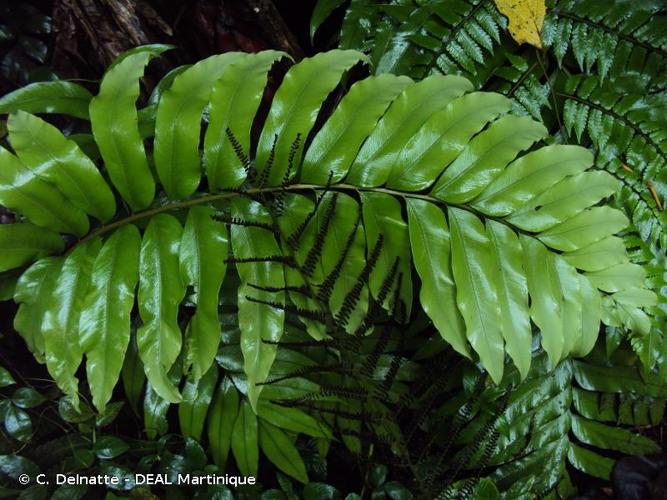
(402, 176)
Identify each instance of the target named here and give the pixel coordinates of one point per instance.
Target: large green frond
(499, 225)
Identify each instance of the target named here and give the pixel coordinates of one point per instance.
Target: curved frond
(328, 218)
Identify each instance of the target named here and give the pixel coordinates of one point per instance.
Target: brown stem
(211, 198)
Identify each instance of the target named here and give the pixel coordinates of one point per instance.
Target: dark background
(77, 39)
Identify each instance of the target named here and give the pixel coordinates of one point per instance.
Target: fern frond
(628, 135)
(238, 151)
(596, 35)
(315, 252)
(279, 201)
(294, 238)
(267, 168)
(425, 179)
(242, 222)
(327, 286)
(311, 315)
(414, 38)
(280, 259)
(574, 399)
(352, 297)
(303, 290)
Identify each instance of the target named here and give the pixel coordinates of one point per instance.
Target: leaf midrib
(211, 198)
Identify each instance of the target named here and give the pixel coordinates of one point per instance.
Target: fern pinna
(127, 231)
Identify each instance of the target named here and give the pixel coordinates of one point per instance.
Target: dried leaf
(525, 19)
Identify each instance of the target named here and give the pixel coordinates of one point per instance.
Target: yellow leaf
(525, 19)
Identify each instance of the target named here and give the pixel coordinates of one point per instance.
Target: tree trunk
(90, 34)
